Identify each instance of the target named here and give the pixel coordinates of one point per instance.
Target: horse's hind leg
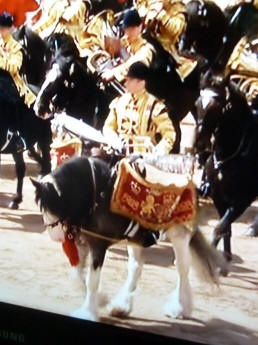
(122, 304)
(89, 308)
(20, 173)
(180, 302)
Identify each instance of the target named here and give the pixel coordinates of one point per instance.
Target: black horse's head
(35, 55)
(205, 26)
(54, 90)
(209, 105)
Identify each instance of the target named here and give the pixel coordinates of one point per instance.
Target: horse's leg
(32, 152)
(122, 304)
(77, 271)
(44, 145)
(89, 308)
(253, 228)
(176, 124)
(180, 302)
(20, 173)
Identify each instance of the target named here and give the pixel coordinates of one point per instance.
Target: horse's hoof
(81, 313)
(13, 205)
(252, 232)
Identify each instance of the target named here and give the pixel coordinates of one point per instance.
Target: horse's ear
(35, 183)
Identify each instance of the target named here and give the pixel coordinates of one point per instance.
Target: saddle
(157, 192)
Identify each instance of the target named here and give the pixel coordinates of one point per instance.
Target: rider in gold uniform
(166, 21)
(62, 16)
(134, 46)
(138, 114)
(11, 57)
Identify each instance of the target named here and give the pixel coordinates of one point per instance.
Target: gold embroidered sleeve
(56, 13)
(75, 12)
(144, 54)
(13, 61)
(174, 25)
(165, 128)
(110, 125)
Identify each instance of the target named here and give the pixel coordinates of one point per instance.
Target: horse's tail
(207, 261)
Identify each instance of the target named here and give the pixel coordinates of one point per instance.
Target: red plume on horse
(18, 8)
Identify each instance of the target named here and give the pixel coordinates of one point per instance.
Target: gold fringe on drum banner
(156, 206)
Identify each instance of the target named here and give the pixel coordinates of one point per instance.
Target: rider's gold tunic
(11, 61)
(166, 21)
(140, 115)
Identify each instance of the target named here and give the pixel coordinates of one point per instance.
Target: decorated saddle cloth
(157, 192)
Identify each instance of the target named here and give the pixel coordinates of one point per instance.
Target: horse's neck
(231, 132)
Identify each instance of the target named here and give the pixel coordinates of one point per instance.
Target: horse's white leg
(122, 304)
(180, 302)
(89, 308)
(76, 272)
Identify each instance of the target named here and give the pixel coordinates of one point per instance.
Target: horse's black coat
(18, 119)
(232, 167)
(74, 203)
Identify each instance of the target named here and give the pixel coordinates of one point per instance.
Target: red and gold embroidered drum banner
(63, 151)
(154, 205)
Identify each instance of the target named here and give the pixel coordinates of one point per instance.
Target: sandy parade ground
(35, 273)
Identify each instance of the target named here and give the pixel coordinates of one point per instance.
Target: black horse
(36, 57)
(232, 167)
(20, 129)
(77, 195)
(69, 87)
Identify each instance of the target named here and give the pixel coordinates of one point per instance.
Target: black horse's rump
(232, 167)
(78, 193)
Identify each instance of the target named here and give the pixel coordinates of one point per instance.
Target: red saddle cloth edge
(154, 206)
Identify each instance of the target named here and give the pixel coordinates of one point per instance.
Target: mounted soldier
(11, 56)
(62, 16)
(166, 21)
(138, 116)
(132, 46)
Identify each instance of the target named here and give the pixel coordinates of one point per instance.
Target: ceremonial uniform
(140, 115)
(138, 50)
(11, 61)
(243, 67)
(166, 20)
(62, 16)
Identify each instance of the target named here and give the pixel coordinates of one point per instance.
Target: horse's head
(209, 107)
(53, 92)
(205, 26)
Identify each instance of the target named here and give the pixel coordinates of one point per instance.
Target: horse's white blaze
(180, 302)
(123, 302)
(89, 308)
(50, 78)
(207, 95)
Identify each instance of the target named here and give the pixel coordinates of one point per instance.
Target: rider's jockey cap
(131, 18)
(138, 70)
(6, 20)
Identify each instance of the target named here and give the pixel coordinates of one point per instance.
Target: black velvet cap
(131, 18)
(138, 70)
(6, 20)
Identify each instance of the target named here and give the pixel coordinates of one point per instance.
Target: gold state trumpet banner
(156, 206)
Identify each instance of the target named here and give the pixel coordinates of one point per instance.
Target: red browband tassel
(71, 250)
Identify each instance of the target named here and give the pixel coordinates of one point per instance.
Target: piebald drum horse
(77, 196)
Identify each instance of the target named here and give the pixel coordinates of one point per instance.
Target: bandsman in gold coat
(243, 68)
(166, 21)
(134, 46)
(138, 115)
(62, 16)
(11, 57)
